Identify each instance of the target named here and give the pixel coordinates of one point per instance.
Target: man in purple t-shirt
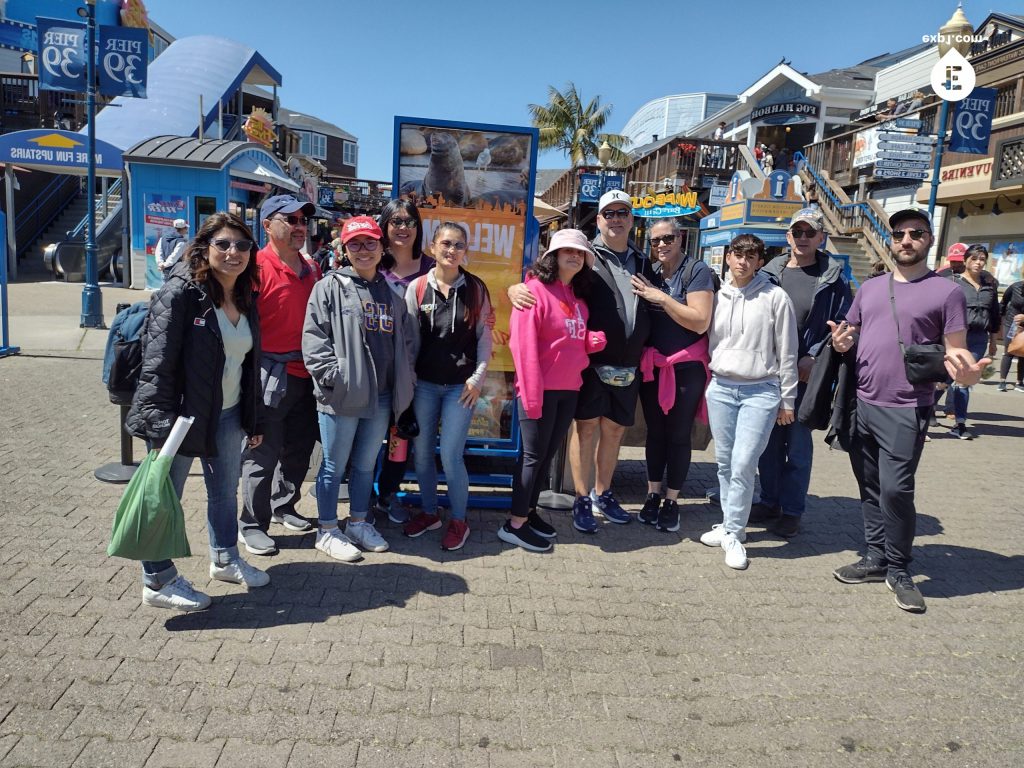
(892, 414)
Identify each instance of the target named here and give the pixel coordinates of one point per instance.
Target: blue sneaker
(610, 508)
(583, 515)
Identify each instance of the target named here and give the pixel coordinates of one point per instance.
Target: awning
(771, 237)
(544, 213)
(247, 167)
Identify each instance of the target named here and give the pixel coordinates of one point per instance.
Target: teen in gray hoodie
(754, 345)
(357, 346)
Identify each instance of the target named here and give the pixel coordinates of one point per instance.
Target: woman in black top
(1012, 309)
(680, 300)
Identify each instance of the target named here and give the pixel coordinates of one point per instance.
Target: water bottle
(398, 448)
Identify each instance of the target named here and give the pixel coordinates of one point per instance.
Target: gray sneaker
(256, 541)
(365, 536)
(291, 521)
(907, 595)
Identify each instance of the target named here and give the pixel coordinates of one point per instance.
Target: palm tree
(566, 124)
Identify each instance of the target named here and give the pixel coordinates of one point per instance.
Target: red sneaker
(455, 536)
(420, 524)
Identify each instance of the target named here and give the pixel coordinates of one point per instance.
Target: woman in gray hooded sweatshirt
(357, 346)
(753, 343)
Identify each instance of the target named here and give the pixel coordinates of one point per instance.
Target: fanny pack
(923, 363)
(615, 376)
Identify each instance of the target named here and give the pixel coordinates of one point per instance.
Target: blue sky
(358, 64)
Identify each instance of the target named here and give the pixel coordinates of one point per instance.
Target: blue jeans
(342, 437)
(742, 416)
(977, 343)
(434, 403)
(221, 474)
(785, 466)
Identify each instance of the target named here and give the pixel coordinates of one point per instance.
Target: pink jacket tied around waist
(698, 351)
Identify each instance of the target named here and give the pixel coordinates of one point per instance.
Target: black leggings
(1006, 362)
(668, 435)
(541, 439)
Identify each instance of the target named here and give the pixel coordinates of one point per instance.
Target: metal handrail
(112, 189)
(860, 208)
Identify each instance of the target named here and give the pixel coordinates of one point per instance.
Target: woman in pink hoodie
(549, 343)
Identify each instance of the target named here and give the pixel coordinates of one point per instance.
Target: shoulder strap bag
(924, 363)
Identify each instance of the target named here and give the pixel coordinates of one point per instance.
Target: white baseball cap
(614, 196)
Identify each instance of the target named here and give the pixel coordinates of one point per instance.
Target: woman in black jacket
(1012, 309)
(201, 347)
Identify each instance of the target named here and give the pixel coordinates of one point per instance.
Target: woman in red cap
(355, 344)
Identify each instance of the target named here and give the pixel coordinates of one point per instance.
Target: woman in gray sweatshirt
(753, 343)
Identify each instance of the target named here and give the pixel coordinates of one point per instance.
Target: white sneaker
(735, 554)
(178, 595)
(713, 538)
(336, 544)
(365, 536)
(239, 572)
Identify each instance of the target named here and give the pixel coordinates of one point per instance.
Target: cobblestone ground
(626, 649)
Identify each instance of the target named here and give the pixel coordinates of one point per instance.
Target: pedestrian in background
(1011, 308)
(170, 247)
(201, 353)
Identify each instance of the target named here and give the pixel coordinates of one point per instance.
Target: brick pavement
(630, 648)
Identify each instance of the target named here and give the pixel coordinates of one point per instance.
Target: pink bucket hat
(572, 238)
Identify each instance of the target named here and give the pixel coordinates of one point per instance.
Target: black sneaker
(668, 516)
(908, 597)
(787, 526)
(649, 511)
(865, 570)
(540, 526)
(524, 537)
(763, 513)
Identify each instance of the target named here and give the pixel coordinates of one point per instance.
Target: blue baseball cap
(285, 204)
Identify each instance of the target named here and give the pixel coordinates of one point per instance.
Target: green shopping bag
(150, 524)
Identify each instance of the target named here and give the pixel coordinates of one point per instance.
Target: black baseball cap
(285, 204)
(910, 213)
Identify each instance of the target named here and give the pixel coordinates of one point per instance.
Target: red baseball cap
(956, 252)
(360, 226)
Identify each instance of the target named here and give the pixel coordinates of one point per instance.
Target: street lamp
(92, 299)
(28, 63)
(956, 34)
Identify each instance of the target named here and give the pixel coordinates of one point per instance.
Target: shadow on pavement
(311, 593)
(954, 571)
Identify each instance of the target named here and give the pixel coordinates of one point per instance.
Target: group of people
(270, 355)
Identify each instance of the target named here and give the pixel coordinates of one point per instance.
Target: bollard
(122, 472)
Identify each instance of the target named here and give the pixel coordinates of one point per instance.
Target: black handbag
(815, 410)
(924, 363)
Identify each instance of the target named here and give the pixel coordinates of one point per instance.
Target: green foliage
(566, 124)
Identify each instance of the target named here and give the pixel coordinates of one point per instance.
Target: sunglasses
(666, 239)
(618, 213)
(915, 234)
(356, 246)
(399, 223)
(448, 244)
(242, 246)
(807, 234)
(294, 221)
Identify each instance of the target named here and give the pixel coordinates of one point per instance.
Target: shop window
(312, 144)
(350, 153)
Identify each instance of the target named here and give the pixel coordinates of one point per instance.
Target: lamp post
(958, 30)
(92, 299)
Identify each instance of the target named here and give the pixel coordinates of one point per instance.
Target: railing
(30, 223)
(847, 217)
(101, 210)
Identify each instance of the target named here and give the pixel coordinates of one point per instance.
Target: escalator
(66, 259)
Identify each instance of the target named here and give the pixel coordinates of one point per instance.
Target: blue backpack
(122, 360)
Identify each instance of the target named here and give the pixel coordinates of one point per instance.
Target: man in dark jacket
(819, 291)
(611, 385)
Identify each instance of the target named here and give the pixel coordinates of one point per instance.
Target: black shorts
(599, 399)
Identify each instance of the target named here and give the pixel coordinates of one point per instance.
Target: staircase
(858, 230)
(73, 219)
